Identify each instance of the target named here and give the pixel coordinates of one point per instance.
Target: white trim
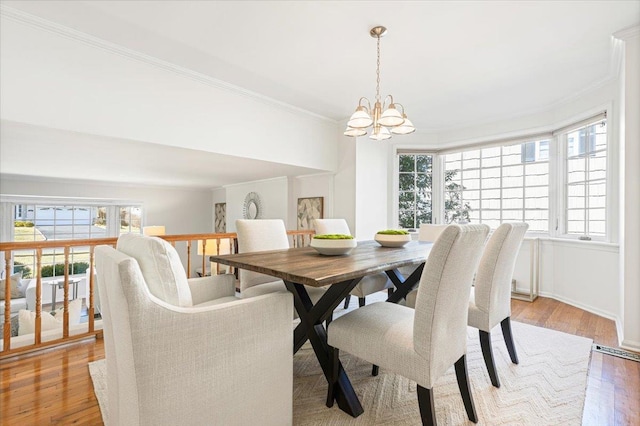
(46, 200)
(61, 30)
(231, 185)
(584, 307)
(586, 245)
(628, 33)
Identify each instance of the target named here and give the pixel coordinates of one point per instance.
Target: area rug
(547, 387)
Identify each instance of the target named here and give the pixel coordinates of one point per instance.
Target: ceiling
(451, 64)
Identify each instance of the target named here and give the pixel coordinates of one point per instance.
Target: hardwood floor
(55, 387)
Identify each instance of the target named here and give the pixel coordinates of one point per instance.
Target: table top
(306, 266)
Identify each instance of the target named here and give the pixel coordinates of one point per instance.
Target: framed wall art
(309, 209)
(220, 218)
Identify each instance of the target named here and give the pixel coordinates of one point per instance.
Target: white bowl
(387, 240)
(333, 247)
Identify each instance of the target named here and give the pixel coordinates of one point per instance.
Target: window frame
(562, 157)
(557, 187)
(8, 204)
(435, 183)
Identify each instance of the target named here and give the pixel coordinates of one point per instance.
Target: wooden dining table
(300, 267)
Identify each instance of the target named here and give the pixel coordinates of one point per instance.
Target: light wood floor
(55, 387)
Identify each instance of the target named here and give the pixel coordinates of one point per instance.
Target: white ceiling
(451, 64)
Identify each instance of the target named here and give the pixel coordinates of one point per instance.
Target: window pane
(503, 182)
(586, 174)
(406, 163)
(407, 182)
(423, 163)
(414, 195)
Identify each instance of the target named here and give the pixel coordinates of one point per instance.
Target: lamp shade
(380, 133)
(350, 131)
(153, 230)
(360, 119)
(391, 117)
(211, 247)
(405, 128)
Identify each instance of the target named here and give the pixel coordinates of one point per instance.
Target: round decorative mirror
(252, 207)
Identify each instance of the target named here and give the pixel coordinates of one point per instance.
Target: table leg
(311, 327)
(403, 286)
(53, 296)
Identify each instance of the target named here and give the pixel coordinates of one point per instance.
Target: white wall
(84, 85)
(274, 197)
(583, 275)
(311, 186)
(371, 187)
(344, 187)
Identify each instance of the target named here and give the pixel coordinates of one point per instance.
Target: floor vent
(620, 353)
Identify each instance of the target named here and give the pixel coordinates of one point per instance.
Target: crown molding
(19, 16)
(628, 33)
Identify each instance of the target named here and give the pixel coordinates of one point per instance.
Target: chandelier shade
(405, 128)
(352, 131)
(360, 119)
(384, 118)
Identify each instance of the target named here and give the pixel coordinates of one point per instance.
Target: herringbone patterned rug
(546, 388)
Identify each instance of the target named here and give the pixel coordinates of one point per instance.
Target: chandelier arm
(368, 103)
(398, 105)
(384, 104)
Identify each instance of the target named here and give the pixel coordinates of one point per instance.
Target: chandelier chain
(378, 73)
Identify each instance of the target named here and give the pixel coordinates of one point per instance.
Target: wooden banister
(299, 238)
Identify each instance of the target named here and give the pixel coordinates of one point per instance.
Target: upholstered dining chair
(262, 235)
(428, 233)
(419, 344)
(490, 301)
(176, 350)
(369, 284)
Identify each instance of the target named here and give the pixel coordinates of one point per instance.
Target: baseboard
(624, 344)
(630, 345)
(599, 312)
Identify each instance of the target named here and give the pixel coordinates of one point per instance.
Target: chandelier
(382, 123)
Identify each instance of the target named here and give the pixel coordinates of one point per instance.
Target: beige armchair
(213, 360)
(369, 284)
(490, 301)
(419, 344)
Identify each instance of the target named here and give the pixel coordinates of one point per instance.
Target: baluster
(65, 315)
(189, 259)
(91, 310)
(6, 332)
(38, 327)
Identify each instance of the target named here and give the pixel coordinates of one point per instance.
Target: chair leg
(465, 389)
(375, 370)
(390, 291)
(346, 301)
(427, 409)
(487, 353)
(334, 359)
(508, 339)
(361, 301)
